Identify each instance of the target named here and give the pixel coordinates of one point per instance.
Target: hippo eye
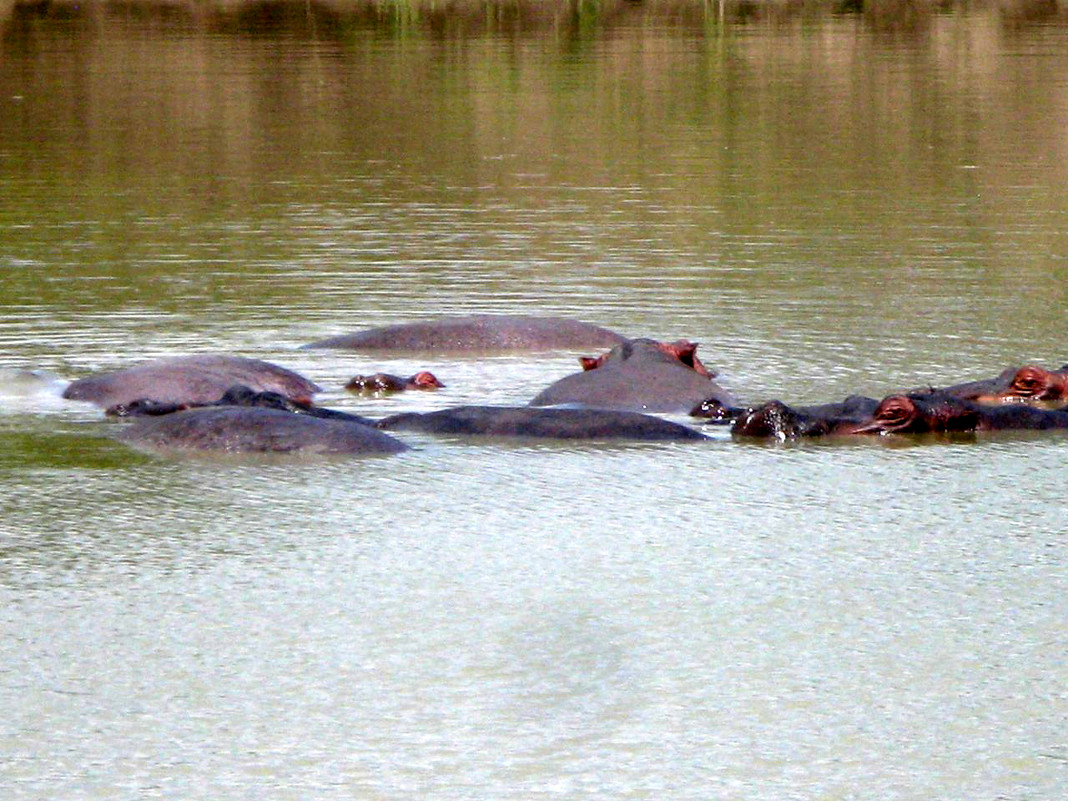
(1028, 383)
(894, 414)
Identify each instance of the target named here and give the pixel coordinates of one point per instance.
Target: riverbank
(517, 16)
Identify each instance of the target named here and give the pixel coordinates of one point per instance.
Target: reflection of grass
(579, 19)
(65, 449)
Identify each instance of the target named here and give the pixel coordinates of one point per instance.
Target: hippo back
(479, 333)
(635, 376)
(234, 429)
(526, 421)
(202, 378)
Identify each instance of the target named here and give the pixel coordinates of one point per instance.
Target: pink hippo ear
(686, 352)
(591, 362)
(425, 380)
(1058, 383)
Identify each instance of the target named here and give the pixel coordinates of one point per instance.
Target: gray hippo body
(477, 333)
(236, 429)
(637, 375)
(201, 378)
(526, 421)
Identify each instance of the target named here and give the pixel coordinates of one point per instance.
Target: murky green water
(829, 203)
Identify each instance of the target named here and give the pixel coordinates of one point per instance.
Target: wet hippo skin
(776, 420)
(200, 378)
(941, 412)
(239, 395)
(382, 383)
(526, 421)
(917, 413)
(638, 375)
(1029, 383)
(236, 429)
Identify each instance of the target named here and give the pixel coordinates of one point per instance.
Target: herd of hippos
(233, 404)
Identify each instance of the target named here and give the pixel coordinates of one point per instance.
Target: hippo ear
(686, 352)
(590, 362)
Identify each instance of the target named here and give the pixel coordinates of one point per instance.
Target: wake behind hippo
(526, 421)
(197, 379)
(639, 375)
(477, 333)
(236, 429)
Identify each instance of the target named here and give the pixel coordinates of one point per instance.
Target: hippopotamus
(201, 378)
(1029, 383)
(942, 412)
(238, 395)
(381, 383)
(526, 421)
(638, 375)
(477, 333)
(237, 429)
(920, 413)
(776, 420)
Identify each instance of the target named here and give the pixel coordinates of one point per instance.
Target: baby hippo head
(380, 383)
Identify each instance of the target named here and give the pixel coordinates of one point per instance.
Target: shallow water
(828, 203)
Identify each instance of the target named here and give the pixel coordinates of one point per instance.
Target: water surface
(829, 203)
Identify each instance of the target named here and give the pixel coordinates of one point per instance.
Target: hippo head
(681, 350)
(424, 380)
(377, 382)
(144, 407)
(920, 414)
(384, 382)
(241, 395)
(1038, 384)
(715, 410)
(773, 420)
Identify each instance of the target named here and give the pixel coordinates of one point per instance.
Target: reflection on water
(830, 198)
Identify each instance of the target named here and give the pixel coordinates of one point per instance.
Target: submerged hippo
(941, 412)
(201, 378)
(932, 412)
(381, 383)
(526, 421)
(238, 395)
(1028, 383)
(776, 420)
(477, 333)
(639, 375)
(236, 429)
